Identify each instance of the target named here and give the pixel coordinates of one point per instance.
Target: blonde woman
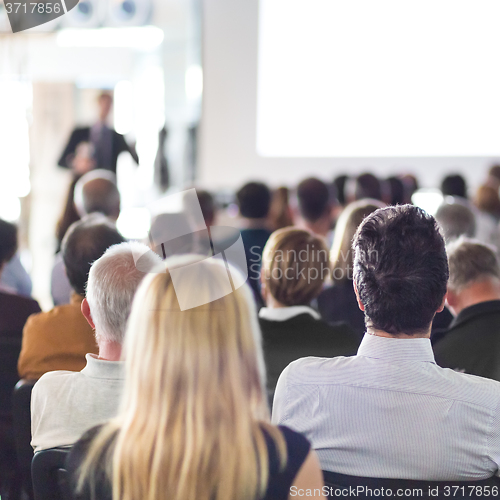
(338, 303)
(194, 423)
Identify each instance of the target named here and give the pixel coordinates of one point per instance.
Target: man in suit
(472, 342)
(106, 143)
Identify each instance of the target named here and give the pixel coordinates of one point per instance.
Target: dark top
(301, 336)
(279, 481)
(338, 303)
(118, 145)
(254, 241)
(14, 311)
(472, 343)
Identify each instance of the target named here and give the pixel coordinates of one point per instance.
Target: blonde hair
(295, 264)
(341, 255)
(194, 413)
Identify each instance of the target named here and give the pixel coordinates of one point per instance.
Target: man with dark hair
(60, 338)
(472, 343)
(254, 200)
(454, 185)
(315, 204)
(390, 411)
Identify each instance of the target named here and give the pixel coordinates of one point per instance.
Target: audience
(338, 302)
(294, 267)
(68, 216)
(254, 201)
(390, 411)
(365, 186)
(472, 343)
(488, 201)
(339, 184)
(315, 204)
(59, 339)
(193, 422)
(65, 404)
(396, 195)
(280, 213)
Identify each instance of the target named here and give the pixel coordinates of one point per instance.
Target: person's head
(85, 241)
(280, 213)
(487, 200)
(400, 270)
(366, 186)
(163, 234)
(111, 286)
(208, 206)
(96, 191)
(8, 241)
(454, 185)
(456, 218)
(397, 195)
(105, 103)
(341, 255)
(254, 199)
(314, 199)
(473, 267)
(339, 184)
(494, 176)
(194, 404)
(294, 267)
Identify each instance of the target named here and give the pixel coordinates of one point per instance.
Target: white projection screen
(320, 87)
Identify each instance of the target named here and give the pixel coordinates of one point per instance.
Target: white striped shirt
(391, 412)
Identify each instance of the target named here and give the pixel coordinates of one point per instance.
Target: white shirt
(391, 412)
(286, 313)
(65, 404)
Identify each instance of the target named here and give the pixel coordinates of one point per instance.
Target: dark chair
(49, 474)
(21, 400)
(370, 487)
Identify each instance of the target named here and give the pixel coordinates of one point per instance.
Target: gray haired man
(65, 404)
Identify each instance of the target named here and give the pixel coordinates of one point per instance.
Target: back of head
(339, 183)
(8, 241)
(207, 205)
(112, 283)
(85, 241)
(254, 199)
(400, 269)
(397, 191)
(456, 218)
(454, 185)
(171, 234)
(341, 255)
(494, 173)
(96, 191)
(295, 265)
(470, 262)
(314, 199)
(487, 200)
(367, 186)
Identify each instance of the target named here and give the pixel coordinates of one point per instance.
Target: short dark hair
(367, 186)
(254, 199)
(454, 185)
(313, 197)
(400, 269)
(85, 241)
(8, 241)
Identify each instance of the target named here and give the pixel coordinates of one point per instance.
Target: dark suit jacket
(119, 145)
(14, 311)
(301, 336)
(472, 343)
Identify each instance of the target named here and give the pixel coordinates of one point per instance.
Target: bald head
(96, 191)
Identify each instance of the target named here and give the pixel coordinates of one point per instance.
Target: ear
(86, 313)
(445, 298)
(451, 298)
(360, 304)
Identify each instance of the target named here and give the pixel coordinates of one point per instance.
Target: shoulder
(314, 370)
(19, 301)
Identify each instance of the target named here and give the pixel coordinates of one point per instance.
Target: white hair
(113, 281)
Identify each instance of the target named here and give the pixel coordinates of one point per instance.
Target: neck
(272, 303)
(381, 333)
(109, 351)
(476, 293)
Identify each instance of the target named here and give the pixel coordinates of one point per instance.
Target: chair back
(10, 347)
(21, 400)
(49, 474)
(369, 487)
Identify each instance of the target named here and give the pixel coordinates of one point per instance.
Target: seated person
(14, 278)
(254, 201)
(65, 404)
(193, 423)
(94, 192)
(59, 339)
(390, 411)
(472, 342)
(294, 267)
(315, 202)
